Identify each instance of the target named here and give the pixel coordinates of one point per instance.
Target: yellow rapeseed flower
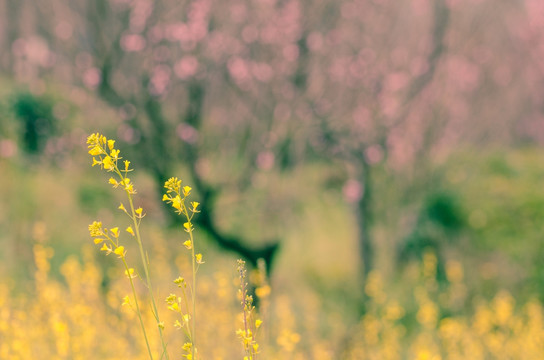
(115, 231)
(130, 273)
(106, 248)
(95, 229)
(120, 251)
(95, 151)
(176, 202)
(108, 163)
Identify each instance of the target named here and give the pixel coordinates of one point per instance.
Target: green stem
(146, 270)
(138, 309)
(193, 293)
(189, 335)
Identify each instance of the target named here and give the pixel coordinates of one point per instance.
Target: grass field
(61, 298)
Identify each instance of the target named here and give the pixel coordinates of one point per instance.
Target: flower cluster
(107, 156)
(176, 303)
(176, 195)
(249, 332)
(109, 238)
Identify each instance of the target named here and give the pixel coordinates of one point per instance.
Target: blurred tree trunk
(363, 212)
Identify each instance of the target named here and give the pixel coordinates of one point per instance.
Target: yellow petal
(96, 151)
(120, 251)
(115, 231)
(108, 163)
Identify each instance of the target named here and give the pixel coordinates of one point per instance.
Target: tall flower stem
(135, 218)
(138, 311)
(193, 292)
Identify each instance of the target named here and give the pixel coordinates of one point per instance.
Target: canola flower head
(170, 299)
(96, 143)
(173, 185)
(120, 251)
(95, 229)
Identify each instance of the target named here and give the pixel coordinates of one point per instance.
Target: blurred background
(384, 158)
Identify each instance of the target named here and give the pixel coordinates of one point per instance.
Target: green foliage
(37, 121)
(503, 195)
(443, 209)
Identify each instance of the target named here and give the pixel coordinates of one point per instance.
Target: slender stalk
(193, 292)
(138, 309)
(146, 270)
(99, 145)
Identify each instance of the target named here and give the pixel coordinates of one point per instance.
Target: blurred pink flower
(352, 190)
(132, 42)
(186, 67)
(92, 77)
